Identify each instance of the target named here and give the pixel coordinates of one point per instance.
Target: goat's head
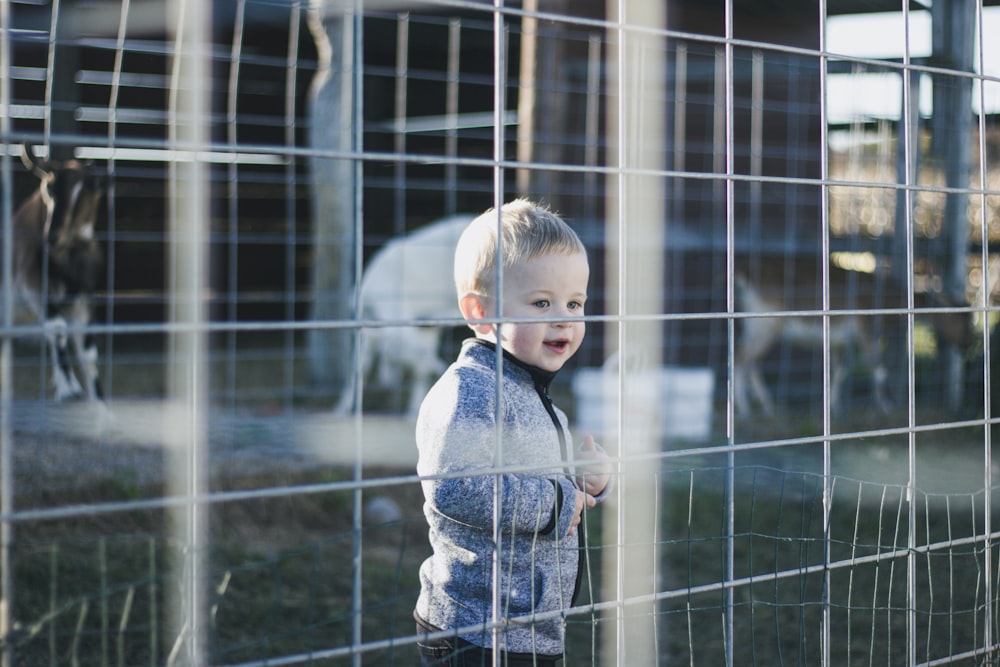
(72, 193)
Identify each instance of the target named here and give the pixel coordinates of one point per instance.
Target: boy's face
(548, 286)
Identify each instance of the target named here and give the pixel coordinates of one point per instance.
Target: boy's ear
(473, 308)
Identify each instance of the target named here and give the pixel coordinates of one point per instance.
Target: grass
(95, 589)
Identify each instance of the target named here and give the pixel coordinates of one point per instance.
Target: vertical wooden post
(534, 105)
(61, 92)
(334, 189)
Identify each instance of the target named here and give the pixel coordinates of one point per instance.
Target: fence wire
(791, 213)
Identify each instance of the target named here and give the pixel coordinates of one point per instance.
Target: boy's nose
(565, 322)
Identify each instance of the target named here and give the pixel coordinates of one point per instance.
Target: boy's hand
(593, 471)
(581, 500)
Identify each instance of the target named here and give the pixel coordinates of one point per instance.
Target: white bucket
(681, 396)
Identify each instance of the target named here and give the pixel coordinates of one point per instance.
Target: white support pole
(187, 390)
(635, 252)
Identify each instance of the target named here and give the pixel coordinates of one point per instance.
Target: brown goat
(786, 286)
(56, 267)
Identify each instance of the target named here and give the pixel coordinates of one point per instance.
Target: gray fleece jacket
(456, 437)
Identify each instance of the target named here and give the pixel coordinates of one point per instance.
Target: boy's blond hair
(528, 230)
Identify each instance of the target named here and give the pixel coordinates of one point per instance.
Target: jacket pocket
(524, 592)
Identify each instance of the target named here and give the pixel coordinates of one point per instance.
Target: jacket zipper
(543, 393)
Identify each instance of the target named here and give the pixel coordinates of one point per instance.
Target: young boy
(473, 434)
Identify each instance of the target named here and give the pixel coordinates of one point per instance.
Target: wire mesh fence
(790, 211)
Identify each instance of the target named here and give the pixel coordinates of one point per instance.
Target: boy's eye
(575, 305)
(542, 303)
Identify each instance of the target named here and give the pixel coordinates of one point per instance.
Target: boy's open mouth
(559, 345)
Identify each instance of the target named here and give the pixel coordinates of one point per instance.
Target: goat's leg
(85, 351)
(760, 391)
(66, 384)
(419, 352)
(86, 357)
(351, 395)
(874, 361)
(879, 377)
(880, 381)
(759, 335)
(346, 402)
(55, 332)
(838, 372)
(741, 393)
(749, 388)
(405, 353)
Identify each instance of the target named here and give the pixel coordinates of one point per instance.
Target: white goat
(56, 266)
(794, 285)
(411, 278)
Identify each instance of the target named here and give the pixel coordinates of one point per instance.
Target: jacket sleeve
(528, 504)
(457, 443)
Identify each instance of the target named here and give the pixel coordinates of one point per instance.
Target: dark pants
(456, 652)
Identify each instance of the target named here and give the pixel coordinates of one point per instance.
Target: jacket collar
(539, 376)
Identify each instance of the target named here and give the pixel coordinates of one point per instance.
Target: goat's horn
(32, 163)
